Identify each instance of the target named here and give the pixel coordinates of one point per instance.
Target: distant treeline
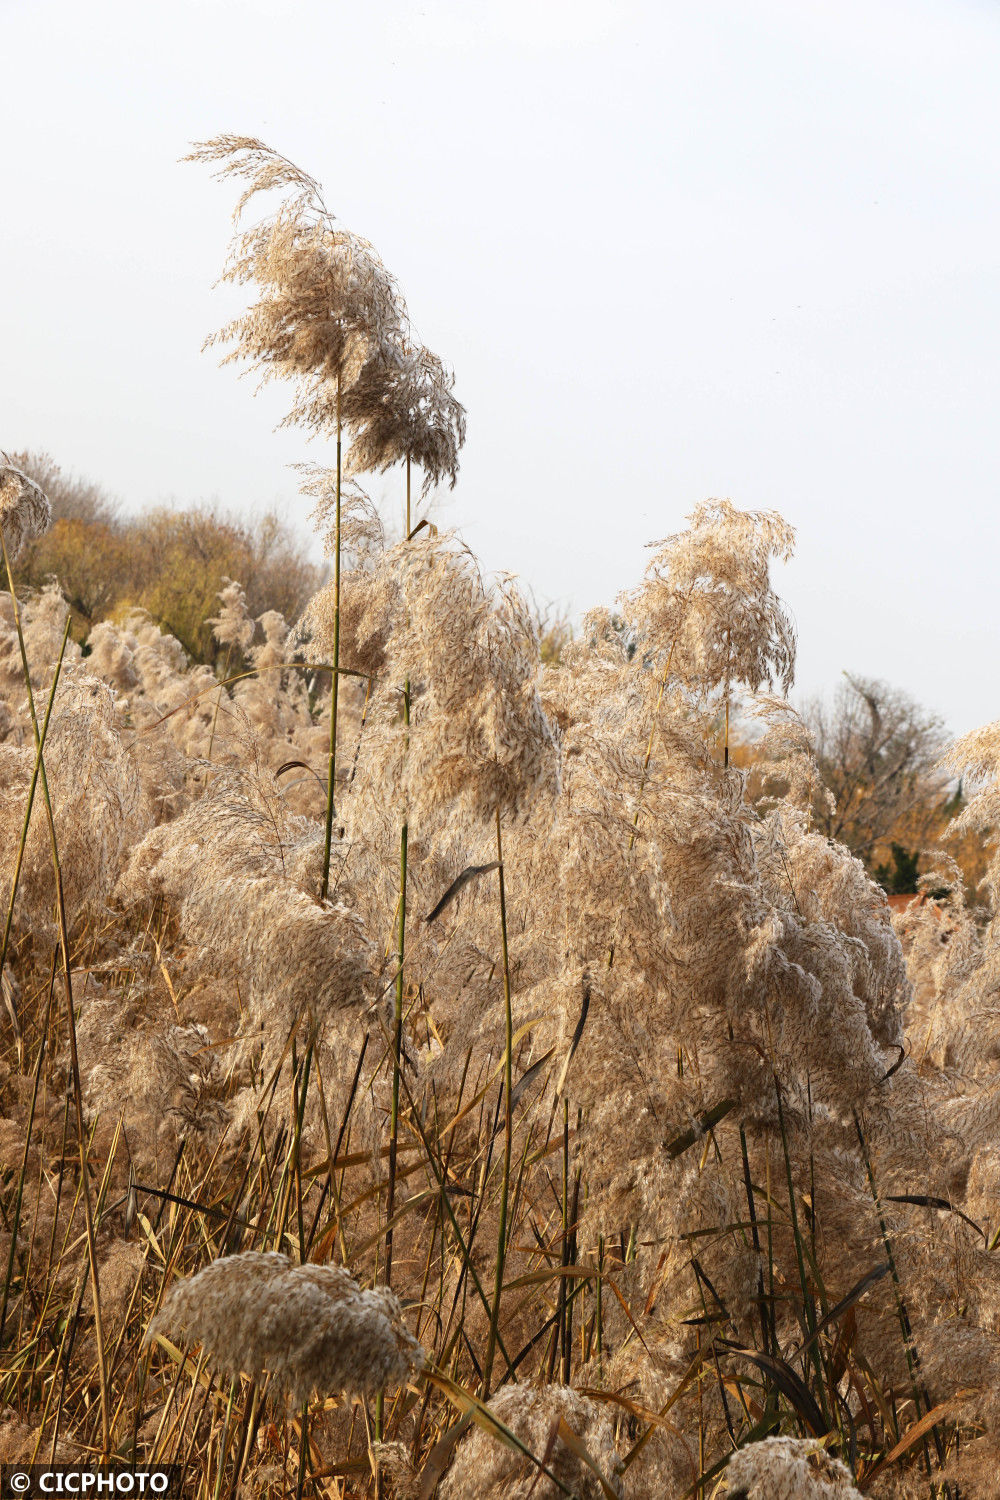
(168, 561)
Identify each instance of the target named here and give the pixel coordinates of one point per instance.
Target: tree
(179, 558)
(71, 498)
(901, 878)
(169, 562)
(877, 751)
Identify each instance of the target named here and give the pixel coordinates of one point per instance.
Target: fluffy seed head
(402, 407)
(486, 1467)
(24, 509)
(311, 1327)
(707, 609)
(782, 1468)
(327, 301)
(233, 626)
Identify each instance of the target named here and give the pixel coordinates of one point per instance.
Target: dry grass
(550, 1121)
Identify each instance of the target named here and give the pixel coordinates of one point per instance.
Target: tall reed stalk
(23, 841)
(70, 1016)
(508, 1125)
(397, 1027)
(399, 992)
(331, 780)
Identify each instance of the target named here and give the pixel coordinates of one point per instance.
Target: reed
(475, 1080)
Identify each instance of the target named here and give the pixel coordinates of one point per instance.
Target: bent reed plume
(431, 1069)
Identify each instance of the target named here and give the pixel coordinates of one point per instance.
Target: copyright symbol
(20, 1483)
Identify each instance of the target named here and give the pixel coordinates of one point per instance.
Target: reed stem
(335, 675)
(508, 1121)
(71, 1018)
(397, 1025)
(397, 1034)
(397, 1029)
(22, 844)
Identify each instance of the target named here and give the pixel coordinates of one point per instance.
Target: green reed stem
(807, 1299)
(600, 1304)
(19, 1199)
(397, 1026)
(755, 1234)
(562, 1323)
(397, 1029)
(335, 675)
(36, 769)
(71, 1015)
(508, 1122)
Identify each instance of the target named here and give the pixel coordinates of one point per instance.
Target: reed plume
(402, 409)
(326, 298)
(563, 1432)
(24, 508)
(787, 1469)
(681, 1107)
(332, 320)
(311, 1328)
(569, 1029)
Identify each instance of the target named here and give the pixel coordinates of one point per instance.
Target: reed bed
(426, 1069)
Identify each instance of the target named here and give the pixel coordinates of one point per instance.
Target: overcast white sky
(673, 250)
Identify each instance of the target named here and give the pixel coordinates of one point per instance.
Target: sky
(673, 251)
